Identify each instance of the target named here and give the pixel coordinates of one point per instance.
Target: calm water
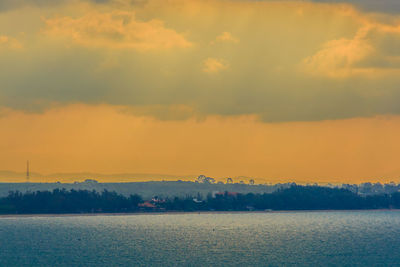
(370, 238)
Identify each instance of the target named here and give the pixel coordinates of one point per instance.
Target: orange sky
(303, 91)
(108, 140)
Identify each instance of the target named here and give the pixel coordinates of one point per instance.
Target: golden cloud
(225, 37)
(336, 46)
(116, 29)
(214, 65)
(369, 52)
(10, 42)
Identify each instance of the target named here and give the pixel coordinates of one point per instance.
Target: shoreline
(4, 216)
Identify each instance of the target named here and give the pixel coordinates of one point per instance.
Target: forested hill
(292, 198)
(147, 190)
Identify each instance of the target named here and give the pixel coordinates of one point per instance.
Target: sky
(275, 90)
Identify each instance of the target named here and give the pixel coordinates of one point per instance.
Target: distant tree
(73, 201)
(286, 197)
(229, 181)
(200, 179)
(251, 182)
(209, 180)
(205, 180)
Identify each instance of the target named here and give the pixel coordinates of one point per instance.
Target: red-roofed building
(147, 205)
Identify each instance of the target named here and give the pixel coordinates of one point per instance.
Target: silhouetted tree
(294, 197)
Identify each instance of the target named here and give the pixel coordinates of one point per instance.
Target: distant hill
(20, 177)
(146, 189)
(150, 189)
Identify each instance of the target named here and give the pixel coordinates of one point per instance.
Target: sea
(324, 238)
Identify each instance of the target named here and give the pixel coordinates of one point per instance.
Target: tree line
(293, 198)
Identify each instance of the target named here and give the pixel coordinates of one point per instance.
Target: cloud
(386, 6)
(225, 37)
(11, 4)
(117, 29)
(329, 61)
(10, 43)
(214, 65)
(370, 52)
(338, 58)
(14, 4)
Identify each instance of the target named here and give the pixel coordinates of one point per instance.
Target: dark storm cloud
(12, 4)
(386, 6)
(344, 63)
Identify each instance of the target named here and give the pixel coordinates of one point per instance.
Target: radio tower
(27, 171)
